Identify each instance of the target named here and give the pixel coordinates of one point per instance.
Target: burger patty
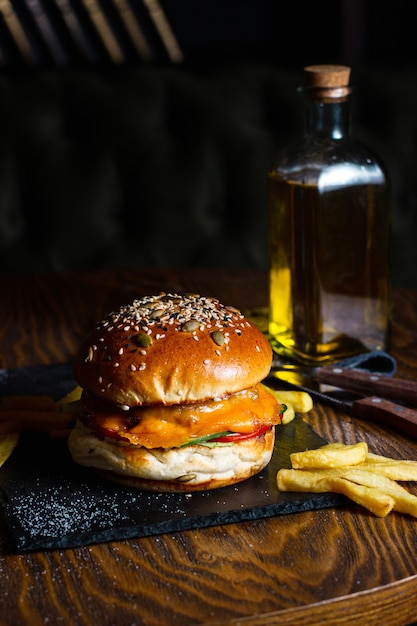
(174, 426)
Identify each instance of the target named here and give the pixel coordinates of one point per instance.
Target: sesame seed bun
(171, 349)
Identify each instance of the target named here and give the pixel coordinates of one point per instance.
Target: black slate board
(48, 502)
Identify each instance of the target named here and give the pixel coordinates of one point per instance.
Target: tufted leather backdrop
(166, 166)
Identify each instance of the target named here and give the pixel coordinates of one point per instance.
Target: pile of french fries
(368, 479)
(34, 414)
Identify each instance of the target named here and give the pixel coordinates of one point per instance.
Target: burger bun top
(171, 349)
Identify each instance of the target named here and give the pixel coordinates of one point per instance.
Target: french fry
(300, 400)
(376, 501)
(325, 481)
(330, 455)
(303, 480)
(405, 502)
(8, 442)
(35, 420)
(295, 401)
(394, 469)
(72, 396)
(378, 458)
(27, 403)
(35, 414)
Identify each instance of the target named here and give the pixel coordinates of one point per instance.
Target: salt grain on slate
(56, 512)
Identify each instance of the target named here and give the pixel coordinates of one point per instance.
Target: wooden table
(332, 566)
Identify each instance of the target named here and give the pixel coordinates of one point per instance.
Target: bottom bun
(192, 468)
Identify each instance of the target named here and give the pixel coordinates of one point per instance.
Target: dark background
(294, 34)
(158, 162)
(287, 33)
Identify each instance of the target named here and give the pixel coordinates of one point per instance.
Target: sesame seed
(218, 352)
(133, 367)
(155, 314)
(116, 364)
(257, 348)
(206, 361)
(142, 366)
(121, 351)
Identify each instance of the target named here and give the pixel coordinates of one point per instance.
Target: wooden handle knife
(367, 383)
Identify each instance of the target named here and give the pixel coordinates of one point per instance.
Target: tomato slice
(241, 436)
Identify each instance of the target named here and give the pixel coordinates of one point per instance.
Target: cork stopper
(323, 76)
(330, 81)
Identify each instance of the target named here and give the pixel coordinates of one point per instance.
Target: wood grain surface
(334, 566)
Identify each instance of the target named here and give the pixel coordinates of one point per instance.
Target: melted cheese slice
(173, 426)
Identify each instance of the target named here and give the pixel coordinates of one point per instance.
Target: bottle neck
(327, 120)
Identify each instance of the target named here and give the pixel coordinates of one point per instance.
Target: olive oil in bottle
(329, 222)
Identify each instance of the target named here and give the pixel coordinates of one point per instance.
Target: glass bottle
(329, 226)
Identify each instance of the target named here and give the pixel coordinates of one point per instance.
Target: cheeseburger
(172, 399)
